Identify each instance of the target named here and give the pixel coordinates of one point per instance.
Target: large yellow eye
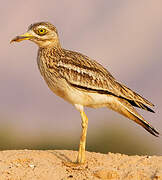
(41, 31)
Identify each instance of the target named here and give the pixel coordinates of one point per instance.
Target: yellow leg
(82, 145)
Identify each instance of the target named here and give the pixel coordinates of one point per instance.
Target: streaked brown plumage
(82, 81)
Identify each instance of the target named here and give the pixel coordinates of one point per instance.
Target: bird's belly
(76, 96)
(89, 99)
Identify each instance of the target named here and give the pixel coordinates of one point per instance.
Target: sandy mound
(51, 165)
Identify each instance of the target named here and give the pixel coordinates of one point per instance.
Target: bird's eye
(41, 31)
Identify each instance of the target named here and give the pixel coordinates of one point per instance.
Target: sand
(54, 165)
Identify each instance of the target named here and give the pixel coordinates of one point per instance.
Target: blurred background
(124, 36)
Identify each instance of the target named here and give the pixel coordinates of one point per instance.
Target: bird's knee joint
(84, 124)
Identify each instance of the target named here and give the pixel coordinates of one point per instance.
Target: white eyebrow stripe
(42, 26)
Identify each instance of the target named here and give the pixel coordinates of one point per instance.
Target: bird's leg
(81, 153)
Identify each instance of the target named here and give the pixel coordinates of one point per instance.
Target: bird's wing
(84, 73)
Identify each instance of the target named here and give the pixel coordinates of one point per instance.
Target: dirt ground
(54, 165)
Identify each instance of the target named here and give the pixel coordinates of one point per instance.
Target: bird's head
(44, 34)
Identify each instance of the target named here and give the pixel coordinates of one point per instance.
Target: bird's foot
(73, 164)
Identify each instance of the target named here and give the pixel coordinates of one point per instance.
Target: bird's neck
(51, 51)
(48, 55)
(48, 59)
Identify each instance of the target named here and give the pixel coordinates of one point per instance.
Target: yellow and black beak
(26, 36)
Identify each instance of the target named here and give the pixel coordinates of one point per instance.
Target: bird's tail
(125, 108)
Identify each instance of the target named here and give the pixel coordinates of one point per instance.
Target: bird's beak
(22, 37)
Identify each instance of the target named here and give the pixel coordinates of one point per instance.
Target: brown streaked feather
(81, 71)
(140, 105)
(125, 108)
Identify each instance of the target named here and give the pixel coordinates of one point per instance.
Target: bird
(82, 81)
